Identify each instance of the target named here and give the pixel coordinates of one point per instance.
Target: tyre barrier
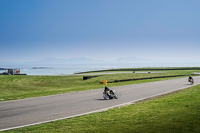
(88, 77)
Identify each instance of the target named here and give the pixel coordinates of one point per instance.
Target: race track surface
(25, 112)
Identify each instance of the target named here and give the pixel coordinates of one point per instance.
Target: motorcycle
(191, 81)
(109, 94)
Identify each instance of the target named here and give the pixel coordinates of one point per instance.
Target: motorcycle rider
(110, 92)
(190, 78)
(107, 89)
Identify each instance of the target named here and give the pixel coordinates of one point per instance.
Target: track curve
(25, 112)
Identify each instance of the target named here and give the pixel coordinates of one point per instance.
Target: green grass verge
(172, 113)
(14, 87)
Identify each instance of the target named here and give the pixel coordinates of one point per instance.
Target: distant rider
(190, 79)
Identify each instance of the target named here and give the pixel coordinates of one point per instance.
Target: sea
(67, 69)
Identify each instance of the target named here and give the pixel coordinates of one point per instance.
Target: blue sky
(32, 30)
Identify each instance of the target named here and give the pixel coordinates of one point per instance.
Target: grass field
(14, 87)
(173, 113)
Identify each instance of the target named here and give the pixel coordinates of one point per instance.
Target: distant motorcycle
(109, 94)
(191, 81)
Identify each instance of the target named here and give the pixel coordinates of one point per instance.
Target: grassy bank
(177, 112)
(145, 69)
(19, 87)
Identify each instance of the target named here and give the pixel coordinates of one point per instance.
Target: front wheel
(191, 81)
(116, 96)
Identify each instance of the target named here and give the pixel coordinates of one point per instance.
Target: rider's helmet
(106, 88)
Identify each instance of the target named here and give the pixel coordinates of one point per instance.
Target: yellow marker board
(105, 82)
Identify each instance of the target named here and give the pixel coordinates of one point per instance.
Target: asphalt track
(26, 112)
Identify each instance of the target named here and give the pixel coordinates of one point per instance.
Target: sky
(32, 30)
